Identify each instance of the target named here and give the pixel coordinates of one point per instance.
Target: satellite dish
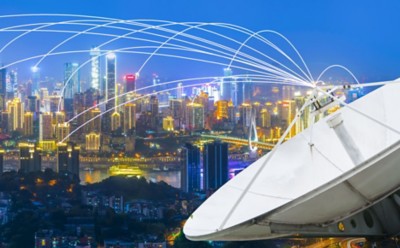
(350, 163)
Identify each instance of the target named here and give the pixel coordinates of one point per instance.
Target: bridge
(238, 141)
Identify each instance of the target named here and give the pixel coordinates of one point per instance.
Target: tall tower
(46, 130)
(35, 80)
(72, 86)
(215, 165)
(190, 162)
(129, 118)
(72, 81)
(110, 90)
(130, 83)
(194, 116)
(3, 73)
(95, 70)
(1, 161)
(28, 124)
(16, 112)
(226, 85)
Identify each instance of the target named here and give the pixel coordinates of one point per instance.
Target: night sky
(361, 35)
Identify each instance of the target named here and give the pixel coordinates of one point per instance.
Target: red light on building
(130, 82)
(129, 77)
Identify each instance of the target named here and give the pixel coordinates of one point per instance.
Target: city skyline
(353, 34)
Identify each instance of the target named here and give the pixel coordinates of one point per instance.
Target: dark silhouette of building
(68, 158)
(215, 165)
(1, 160)
(190, 175)
(30, 157)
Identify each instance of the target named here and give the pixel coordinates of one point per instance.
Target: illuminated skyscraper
(194, 116)
(35, 80)
(46, 129)
(110, 79)
(30, 157)
(115, 121)
(245, 114)
(72, 82)
(96, 123)
(265, 118)
(222, 110)
(130, 83)
(16, 115)
(95, 70)
(72, 86)
(110, 90)
(93, 142)
(28, 124)
(62, 131)
(226, 85)
(60, 118)
(190, 164)
(12, 83)
(129, 117)
(3, 73)
(215, 165)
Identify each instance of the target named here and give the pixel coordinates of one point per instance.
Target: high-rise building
(226, 85)
(62, 131)
(115, 121)
(68, 158)
(111, 72)
(35, 80)
(179, 91)
(95, 70)
(245, 114)
(190, 162)
(265, 118)
(93, 142)
(240, 98)
(95, 125)
(46, 128)
(129, 118)
(30, 157)
(72, 87)
(1, 161)
(28, 124)
(72, 81)
(222, 110)
(215, 165)
(194, 116)
(16, 115)
(130, 83)
(110, 90)
(11, 84)
(54, 101)
(33, 104)
(60, 118)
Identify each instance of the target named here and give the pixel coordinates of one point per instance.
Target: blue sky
(362, 35)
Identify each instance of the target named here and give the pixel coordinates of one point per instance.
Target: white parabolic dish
(311, 185)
